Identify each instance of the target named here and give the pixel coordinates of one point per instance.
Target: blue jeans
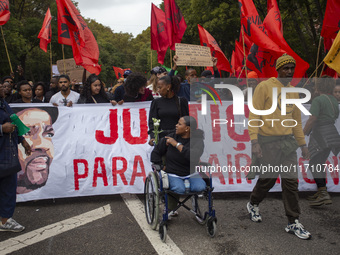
(197, 184)
(8, 195)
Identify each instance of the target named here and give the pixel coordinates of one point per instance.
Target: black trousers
(317, 168)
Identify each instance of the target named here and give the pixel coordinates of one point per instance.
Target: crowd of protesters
(169, 97)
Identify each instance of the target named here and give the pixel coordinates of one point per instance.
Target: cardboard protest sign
(193, 55)
(71, 69)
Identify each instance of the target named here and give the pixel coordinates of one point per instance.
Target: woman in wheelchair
(183, 150)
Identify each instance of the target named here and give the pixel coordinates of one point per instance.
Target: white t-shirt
(60, 100)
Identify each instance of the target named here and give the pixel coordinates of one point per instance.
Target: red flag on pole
(175, 23)
(209, 41)
(268, 39)
(119, 71)
(264, 51)
(159, 35)
(64, 36)
(273, 25)
(45, 34)
(4, 12)
(238, 58)
(331, 21)
(84, 45)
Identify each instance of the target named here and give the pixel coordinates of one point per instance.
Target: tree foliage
(302, 22)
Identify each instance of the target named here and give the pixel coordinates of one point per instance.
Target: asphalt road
(120, 233)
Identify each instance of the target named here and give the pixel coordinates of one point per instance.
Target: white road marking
(136, 208)
(49, 231)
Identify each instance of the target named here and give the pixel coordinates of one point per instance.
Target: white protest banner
(89, 150)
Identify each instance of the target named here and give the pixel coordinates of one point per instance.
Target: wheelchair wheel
(162, 232)
(198, 202)
(211, 227)
(151, 200)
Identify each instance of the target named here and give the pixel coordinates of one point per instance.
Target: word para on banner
(100, 170)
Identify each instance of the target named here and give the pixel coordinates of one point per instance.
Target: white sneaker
(11, 225)
(254, 212)
(298, 229)
(172, 214)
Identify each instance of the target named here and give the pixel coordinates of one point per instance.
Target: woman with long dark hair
(93, 91)
(135, 89)
(168, 108)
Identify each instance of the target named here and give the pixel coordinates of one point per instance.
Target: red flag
(264, 52)
(45, 34)
(331, 21)
(159, 36)
(209, 41)
(175, 23)
(268, 39)
(84, 45)
(211, 69)
(64, 36)
(273, 25)
(4, 12)
(237, 58)
(247, 42)
(119, 71)
(233, 63)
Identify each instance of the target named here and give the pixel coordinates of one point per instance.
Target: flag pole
(51, 59)
(240, 73)
(245, 59)
(171, 58)
(312, 74)
(317, 57)
(323, 67)
(62, 46)
(9, 60)
(151, 60)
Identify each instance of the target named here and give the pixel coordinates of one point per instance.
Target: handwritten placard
(193, 55)
(74, 71)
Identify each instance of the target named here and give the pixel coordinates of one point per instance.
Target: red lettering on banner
(238, 158)
(103, 175)
(121, 172)
(78, 176)
(333, 171)
(113, 130)
(193, 109)
(138, 159)
(216, 131)
(304, 171)
(143, 124)
(213, 160)
(231, 128)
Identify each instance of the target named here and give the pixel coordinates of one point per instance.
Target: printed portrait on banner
(35, 168)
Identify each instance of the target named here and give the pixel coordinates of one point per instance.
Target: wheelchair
(155, 196)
